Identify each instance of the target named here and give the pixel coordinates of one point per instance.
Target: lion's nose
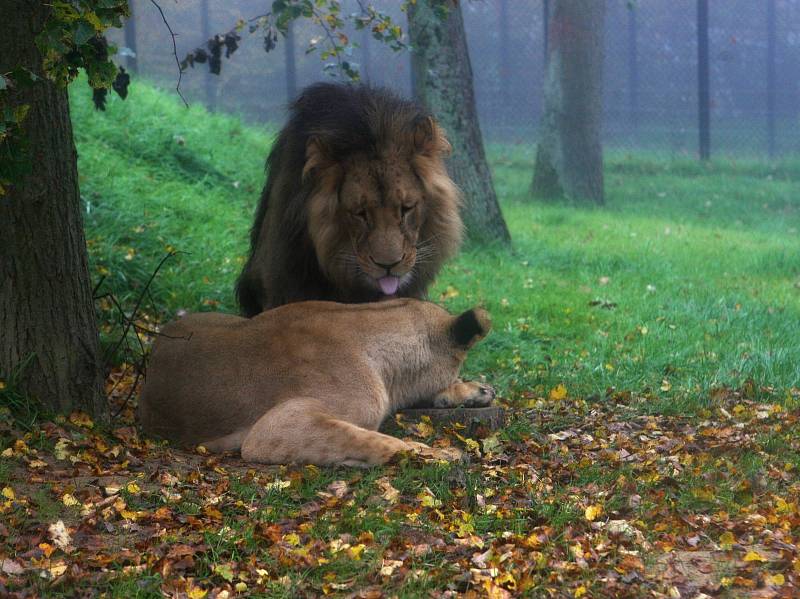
(387, 266)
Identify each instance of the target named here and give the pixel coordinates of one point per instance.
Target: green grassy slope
(688, 279)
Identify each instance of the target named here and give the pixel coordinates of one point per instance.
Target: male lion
(357, 206)
(309, 382)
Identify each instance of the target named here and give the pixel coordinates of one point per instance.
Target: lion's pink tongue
(389, 285)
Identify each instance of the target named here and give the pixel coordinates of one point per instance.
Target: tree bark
(569, 158)
(442, 76)
(48, 332)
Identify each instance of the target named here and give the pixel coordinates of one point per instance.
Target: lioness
(308, 382)
(358, 205)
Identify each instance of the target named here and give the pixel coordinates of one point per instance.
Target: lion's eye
(406, 209)
(361, 215)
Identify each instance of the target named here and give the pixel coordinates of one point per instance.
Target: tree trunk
(49, 334)
(569, 158)
(442, 77)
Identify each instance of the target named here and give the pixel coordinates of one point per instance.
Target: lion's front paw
(481, 395)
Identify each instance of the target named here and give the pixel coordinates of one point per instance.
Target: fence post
(546, 26)
(633, 67)
(130, 39)
(703, 85)
(209, 81)
(771, 78)
(291, 70)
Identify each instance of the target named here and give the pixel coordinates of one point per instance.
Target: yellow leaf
(60, 451)
(428, 500)
(423, 429)
(666, 385)
(69, 500)
(240, 587)
(128, 515)
(580, 591)
(726, 541)
(754, 556)
(2, 384)
(292, 538)
(776, 579)
(197, 593)
(47, 549)
(133, 488)
(472, 446)
(277, 485)
(558, 392)
(355, 552)
(450, 292)
(506, 579)
(8, 493)
(592, 512)
(57, 569)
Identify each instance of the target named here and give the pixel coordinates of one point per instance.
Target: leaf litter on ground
(576, 497)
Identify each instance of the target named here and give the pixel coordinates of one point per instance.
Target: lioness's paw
(481, 395)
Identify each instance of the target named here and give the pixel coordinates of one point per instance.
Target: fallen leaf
(60, 536)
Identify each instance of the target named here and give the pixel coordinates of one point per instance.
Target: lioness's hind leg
(300, 431)
(470, 395)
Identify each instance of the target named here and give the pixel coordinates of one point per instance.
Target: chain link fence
(650, 74)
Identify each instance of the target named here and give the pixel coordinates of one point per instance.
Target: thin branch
(174, 52)
(329, 35)
(132, 317)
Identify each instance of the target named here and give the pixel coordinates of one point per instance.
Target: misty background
(650, 71)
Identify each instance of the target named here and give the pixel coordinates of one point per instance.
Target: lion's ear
(318, 156)
(429, 138)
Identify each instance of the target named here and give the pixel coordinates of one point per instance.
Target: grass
(687, 279)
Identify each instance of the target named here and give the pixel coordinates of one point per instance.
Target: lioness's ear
(317, 156)
(470, 327)
(429, 138)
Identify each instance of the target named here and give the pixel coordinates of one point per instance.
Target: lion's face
(376, 222)
(381, 208)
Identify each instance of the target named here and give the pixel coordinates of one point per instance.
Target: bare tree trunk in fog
(703, 81)
(366, 56)
(442, 77)
(771, 78)
(569, 157)
(130, 39)
(47, 322)
(210, 82)
(505, 63)
(291, 69)
(633, 66)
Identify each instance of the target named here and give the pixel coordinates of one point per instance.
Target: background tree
(49, 334)
(569, 157)
(442, 76)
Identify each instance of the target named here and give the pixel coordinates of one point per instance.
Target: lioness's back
(207, 356)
